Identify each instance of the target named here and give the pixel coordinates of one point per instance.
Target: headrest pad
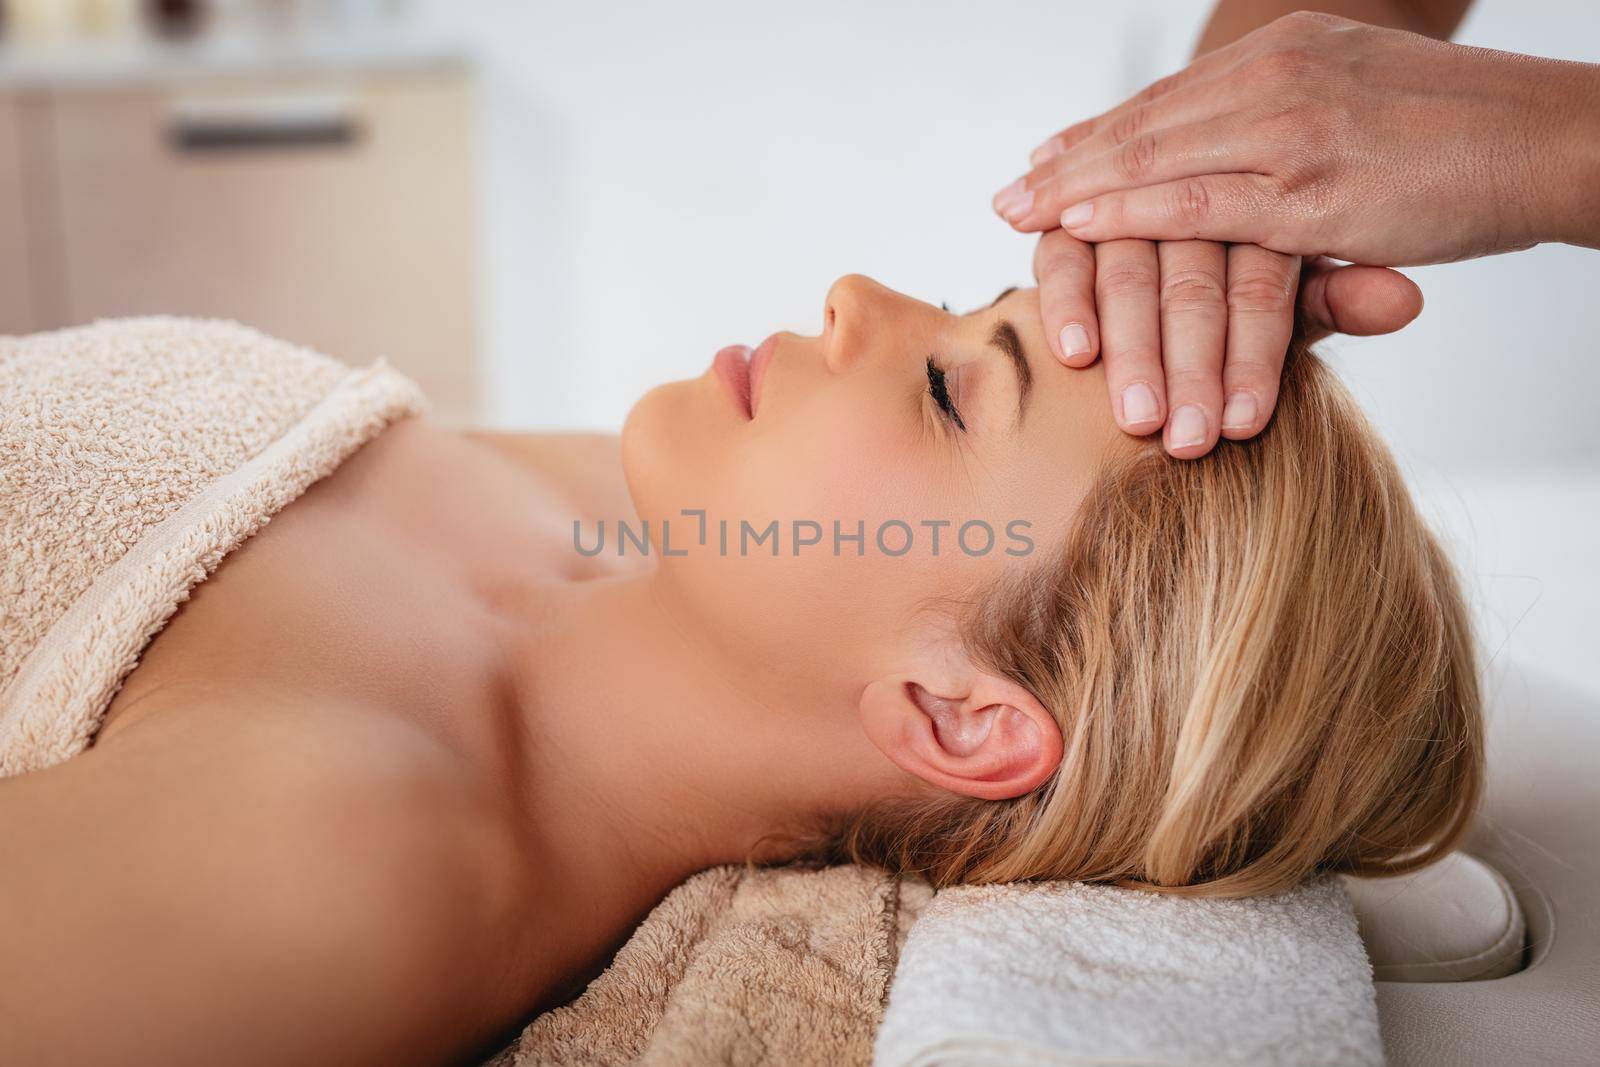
(1453, 921)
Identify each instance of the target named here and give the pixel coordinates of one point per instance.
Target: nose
(857, 309)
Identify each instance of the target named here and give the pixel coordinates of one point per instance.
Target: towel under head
(778, 965)
(1062, 974)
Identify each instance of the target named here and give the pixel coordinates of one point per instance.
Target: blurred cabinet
(16, 295)
(331, 210)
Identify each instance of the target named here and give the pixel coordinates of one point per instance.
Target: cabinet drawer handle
(262, 123)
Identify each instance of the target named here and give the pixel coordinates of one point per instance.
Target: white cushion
(1453, 921)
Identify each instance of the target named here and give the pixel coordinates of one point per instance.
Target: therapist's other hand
(1318, 135)
(1199, 330)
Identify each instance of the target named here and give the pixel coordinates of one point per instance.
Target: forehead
(1069, 426)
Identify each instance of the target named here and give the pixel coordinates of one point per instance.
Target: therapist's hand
(1199, 330)
(1318, 135)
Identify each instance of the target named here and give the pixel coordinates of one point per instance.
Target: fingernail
(1188, 426)
(1049, 150)
(1074, 340)
(1014, 201)
(1077, 214)
(1138, 404)
(1240, 414)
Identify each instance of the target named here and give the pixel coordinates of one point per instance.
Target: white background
(663, 179)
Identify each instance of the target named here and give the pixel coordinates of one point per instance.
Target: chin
(666, 450)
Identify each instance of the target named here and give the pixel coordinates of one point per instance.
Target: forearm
(1232, 19)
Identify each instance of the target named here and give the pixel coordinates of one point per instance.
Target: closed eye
(938, 388)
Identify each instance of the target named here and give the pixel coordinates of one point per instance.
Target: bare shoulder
(300, 884)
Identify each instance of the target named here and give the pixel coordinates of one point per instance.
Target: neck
(651, 756)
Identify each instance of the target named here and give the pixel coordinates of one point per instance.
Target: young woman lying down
(419, 754)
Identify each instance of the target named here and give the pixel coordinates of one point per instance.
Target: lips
(758, 370)
(732, 366)
(741, 371)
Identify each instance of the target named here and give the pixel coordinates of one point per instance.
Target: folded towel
(1061, 974)
(134, 455)
(777, 965)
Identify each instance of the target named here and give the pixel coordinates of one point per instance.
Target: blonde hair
(1262, 668)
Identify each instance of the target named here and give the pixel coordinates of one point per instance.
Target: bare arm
(1232, 19)
(237, 885)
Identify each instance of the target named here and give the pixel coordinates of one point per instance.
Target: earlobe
(980, 735)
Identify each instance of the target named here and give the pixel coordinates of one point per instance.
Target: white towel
(1067, 975)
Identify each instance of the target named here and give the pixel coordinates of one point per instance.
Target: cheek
(842, 461)
(846, 459)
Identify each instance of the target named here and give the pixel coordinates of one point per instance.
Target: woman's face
(817, 499)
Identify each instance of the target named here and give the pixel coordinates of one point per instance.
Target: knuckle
(1136, 158)
(1163, 86)
(1192, 289)
(1128, 362)
(1063, 277)
(1260, 289)
(1189, 202)
(1048, 256)
(1044, 257)
(1125, 281)
(1192, 383)
(1126, 125)
(1297, 24)
(1282, 192)
(1312, 202)
(1058, 255)
(1160, 87)
(1286, 118)
(1248, 372)
(1287, 64)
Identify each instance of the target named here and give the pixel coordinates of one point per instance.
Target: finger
(1194, 330)
(1126, 277)
(1215, 145)
(1236, 208)
(1356, 299)
(1065, 269)
(1261, 292)
(1161, 90)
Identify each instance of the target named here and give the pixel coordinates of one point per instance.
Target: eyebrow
(1006, 340)
(1004, 337)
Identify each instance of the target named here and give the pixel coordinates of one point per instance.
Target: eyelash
(939, 390)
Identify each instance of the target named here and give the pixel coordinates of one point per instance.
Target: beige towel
(779, 965)
(134, 455)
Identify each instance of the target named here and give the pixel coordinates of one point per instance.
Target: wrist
(1569, 198)
(1546, 179)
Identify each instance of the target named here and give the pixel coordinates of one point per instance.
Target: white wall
(664, 179)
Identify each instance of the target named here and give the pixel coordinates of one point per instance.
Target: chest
(375, 587)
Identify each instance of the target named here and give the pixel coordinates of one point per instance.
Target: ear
(963, 729)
